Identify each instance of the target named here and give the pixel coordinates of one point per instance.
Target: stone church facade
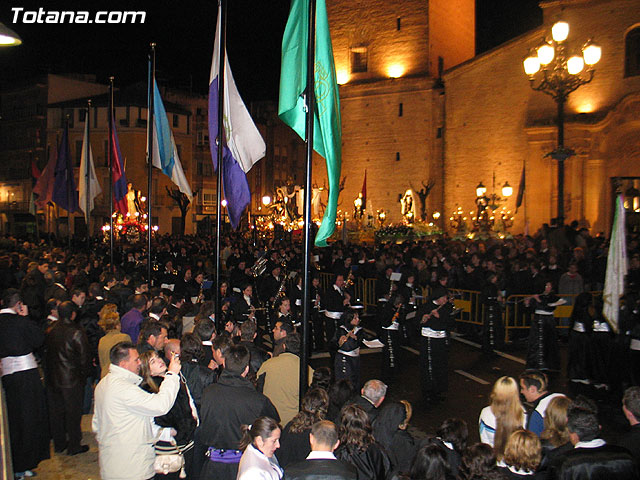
(417, 106)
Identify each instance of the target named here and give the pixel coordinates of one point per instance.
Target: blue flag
(65, 194)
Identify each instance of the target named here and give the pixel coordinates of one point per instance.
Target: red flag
(364, 190)
(35, 172)
(46, 180)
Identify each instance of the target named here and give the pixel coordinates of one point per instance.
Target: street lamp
(558, 73)
(266, 200)
(8, 38)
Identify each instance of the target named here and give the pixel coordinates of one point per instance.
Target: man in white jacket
(124, 414)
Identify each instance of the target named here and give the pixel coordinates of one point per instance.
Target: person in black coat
(24, 393)
(295, 441)
(452, 437)
(631, 409)
(321, 463)
(226, 406)
(591, 458)
(389, 430)
(67, 363)
(358, 447)
(197, 376)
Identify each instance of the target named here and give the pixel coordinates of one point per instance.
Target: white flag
(616, 267)
(87, 170)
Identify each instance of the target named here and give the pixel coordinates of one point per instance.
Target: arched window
(632, 53)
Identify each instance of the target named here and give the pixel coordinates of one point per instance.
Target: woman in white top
(503, 416)
(260, 441)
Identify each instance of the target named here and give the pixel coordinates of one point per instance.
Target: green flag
(327, 133)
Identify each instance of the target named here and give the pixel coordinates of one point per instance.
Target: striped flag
(88, 181)
(44, 185)
(243, 145)
(616, 267)
(165, 152)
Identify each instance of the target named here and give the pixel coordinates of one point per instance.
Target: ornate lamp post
(554, 70)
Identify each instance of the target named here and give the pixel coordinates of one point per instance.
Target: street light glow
(546, 53)
(575, 65)
(560, 31)
(591, 53)
(395, 70)
(8, 38)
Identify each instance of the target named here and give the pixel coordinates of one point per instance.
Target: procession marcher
(436, 322)
(335, 301)
(492, 328)
(390, 318)
(542, 353)
(348, 339)
(25, 395)
(123, 413)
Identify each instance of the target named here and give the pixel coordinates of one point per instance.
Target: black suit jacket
(601, 463)
(320, 469)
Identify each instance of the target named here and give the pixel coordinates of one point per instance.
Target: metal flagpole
(310, 101)
(220, 142)
(87, 176)
(150, 120)
(110, 150)
(69, 192)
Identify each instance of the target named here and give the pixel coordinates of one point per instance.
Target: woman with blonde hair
(522, 456)
(109, 321)
(503, 416)
(555, 436)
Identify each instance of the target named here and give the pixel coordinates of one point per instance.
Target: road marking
(412, 350)
(472, 377)
(362, 352)
(513, 358)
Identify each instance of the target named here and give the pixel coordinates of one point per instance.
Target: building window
(397, 156)
(632, 53)
(439, 133)
(78, 152)
(82, 114)
(400, 109)
(359, 60)
(175, 121)
(398, 23)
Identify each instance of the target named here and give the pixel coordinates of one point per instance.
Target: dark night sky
(184, 34)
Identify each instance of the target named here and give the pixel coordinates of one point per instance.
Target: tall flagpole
(310, 101)
(150, 126)
(220, 143)
(110, 149)
(87, 176)
(69, 192)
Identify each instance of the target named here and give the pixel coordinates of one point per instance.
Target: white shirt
(321, 455)
(254, 465)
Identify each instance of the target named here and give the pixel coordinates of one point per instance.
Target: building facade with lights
(389, 58)
(496, 124)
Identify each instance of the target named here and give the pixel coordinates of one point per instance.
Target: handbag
(169, 459)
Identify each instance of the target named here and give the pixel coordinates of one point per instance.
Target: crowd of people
(176, 390)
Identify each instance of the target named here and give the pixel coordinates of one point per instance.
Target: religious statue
(133, 200)
(358, 207)
(407, 206)
(422, 196)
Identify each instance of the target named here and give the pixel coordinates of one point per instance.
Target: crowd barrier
(469, 308)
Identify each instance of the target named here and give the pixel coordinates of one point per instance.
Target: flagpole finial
(112, 78)
(153, 45)
(89, 103)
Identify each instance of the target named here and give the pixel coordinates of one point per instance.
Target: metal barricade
(467, 302)
(517, 316)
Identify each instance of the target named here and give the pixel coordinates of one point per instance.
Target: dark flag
(520, 196)
(119, 178)
(65, 194)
